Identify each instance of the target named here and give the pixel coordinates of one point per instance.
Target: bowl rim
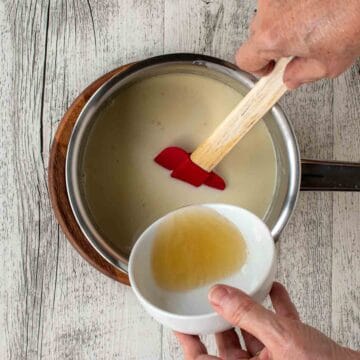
(142, 238)
(85, 118)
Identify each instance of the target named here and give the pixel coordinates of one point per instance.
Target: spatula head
(178, 160)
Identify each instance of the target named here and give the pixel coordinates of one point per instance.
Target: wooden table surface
(53, 305)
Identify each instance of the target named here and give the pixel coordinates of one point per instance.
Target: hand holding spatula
(196, 168)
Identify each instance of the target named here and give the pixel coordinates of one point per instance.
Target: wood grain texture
(305, 247)
(346, 215)
(53, 304)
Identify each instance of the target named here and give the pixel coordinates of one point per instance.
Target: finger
(251, 59)
(303, 70)
(282, 303)
(253, 345)
(192, 347)
(229, 347)
(240, 310)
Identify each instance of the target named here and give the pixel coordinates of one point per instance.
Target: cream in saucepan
(126, 190)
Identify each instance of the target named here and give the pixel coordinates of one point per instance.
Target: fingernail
(218, 294)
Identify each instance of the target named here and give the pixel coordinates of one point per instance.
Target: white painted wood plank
(305, 246)
(10, 325)
(304, 265)
(345, 270)
(26, 251)
(346, 215)
(214, 28)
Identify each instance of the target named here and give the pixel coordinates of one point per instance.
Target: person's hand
(267, 335)
(323, 35)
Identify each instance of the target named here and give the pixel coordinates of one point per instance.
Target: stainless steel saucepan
(293, 175)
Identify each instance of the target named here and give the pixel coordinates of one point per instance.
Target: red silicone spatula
(196, 168)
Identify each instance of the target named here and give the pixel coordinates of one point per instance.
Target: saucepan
(293, 174)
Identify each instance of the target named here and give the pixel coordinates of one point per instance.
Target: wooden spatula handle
(267, 91)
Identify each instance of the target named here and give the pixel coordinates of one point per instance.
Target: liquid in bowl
(189, 311)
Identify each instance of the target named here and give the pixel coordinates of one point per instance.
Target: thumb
(240, 310)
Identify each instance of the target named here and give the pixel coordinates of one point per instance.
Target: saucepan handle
(330, 176)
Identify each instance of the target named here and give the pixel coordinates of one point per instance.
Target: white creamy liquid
(126, 190)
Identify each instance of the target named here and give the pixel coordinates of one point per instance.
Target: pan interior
(123, 190)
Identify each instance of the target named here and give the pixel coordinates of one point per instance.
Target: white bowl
(189, 311)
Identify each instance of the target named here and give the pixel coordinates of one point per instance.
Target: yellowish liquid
(194, 247)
